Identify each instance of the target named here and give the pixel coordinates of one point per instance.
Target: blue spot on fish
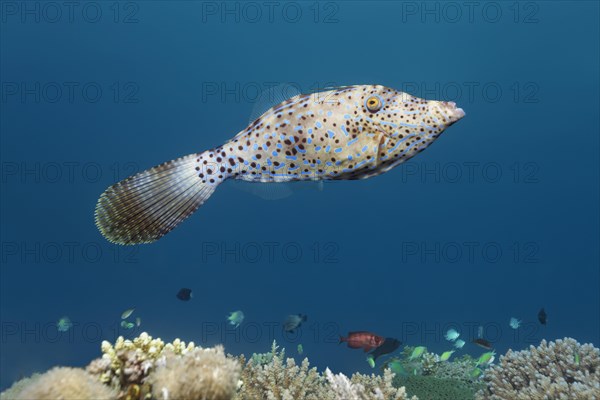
(338, 150)
(331, 133)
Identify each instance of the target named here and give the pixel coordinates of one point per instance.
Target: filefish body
(331, 135)
(348, 133)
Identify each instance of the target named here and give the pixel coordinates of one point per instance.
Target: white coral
(364, 387)
(557, 370)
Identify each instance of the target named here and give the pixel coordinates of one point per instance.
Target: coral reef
(429, 364)
(196, 375)
(145, 368)
(60, 383)
(428, 377)
(127, 364)
(17, 387)
(434, 388)
(563, 369)
(364, 387)
(272, 376)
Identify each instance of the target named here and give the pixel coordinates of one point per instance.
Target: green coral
(428, 377)
(433, 388)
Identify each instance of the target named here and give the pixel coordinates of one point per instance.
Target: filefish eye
(373, 104)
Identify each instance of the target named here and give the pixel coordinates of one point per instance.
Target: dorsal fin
(271, 97)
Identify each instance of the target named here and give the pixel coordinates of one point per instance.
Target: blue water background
(516, 180)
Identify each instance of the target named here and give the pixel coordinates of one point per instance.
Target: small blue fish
(346, 133)
(235, 318)
(64, 324)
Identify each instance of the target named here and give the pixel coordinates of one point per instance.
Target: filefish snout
(446, 111)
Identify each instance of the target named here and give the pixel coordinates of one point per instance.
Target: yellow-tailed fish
(346, 133)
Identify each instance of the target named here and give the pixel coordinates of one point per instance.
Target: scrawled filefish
(346, 133)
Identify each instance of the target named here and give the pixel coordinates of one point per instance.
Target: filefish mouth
(449, 108)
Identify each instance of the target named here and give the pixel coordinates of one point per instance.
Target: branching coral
(200, 374)
(373, 387)
(280, 378)
(61, 383)
(563, 369)
(127, 363)
(273, 377)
